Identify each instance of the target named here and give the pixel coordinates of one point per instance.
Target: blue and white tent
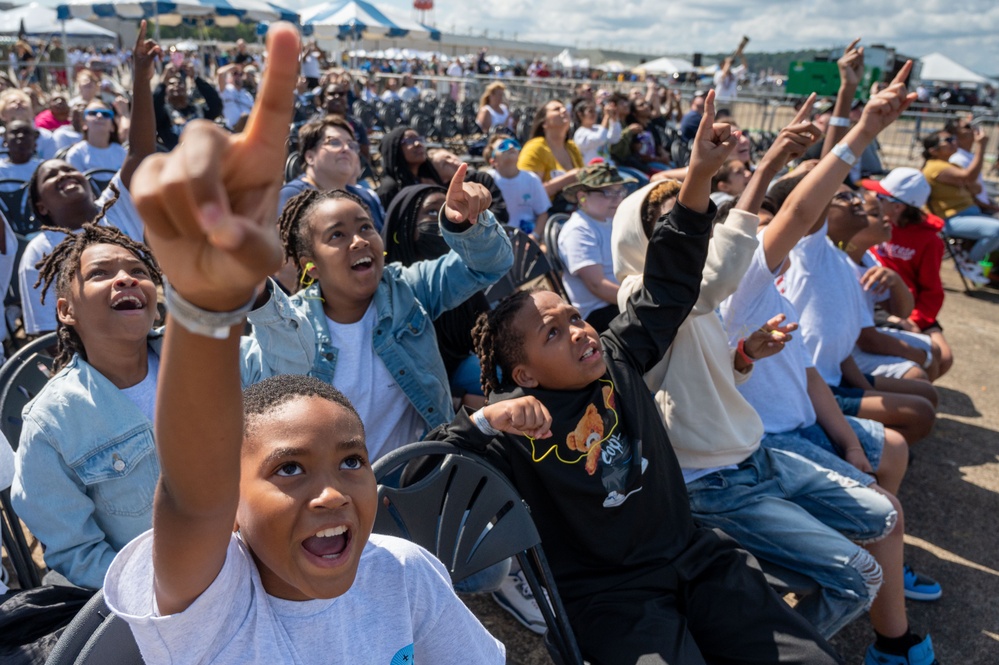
(357, 19)
(173, 12)
(38, 20)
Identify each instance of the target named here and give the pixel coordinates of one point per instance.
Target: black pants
(600, 318)
(722, 612)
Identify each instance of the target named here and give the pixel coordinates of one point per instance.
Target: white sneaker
(973, 273)
(515, 596)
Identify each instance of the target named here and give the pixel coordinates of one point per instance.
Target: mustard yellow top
(538, 157)
(945, 200)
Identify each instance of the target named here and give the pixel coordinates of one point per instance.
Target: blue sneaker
(920, 587)
(921, 654)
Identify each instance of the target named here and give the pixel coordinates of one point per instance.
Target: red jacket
(915, 252)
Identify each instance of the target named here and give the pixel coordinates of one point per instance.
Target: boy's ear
(64, 310)
(523, 377)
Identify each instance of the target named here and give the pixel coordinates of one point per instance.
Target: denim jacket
(87, 469)
(407, 301)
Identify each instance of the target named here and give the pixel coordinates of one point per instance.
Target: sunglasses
(412, 140)
(99, 113)
(946, 141)
(849, 198)
(506, 145)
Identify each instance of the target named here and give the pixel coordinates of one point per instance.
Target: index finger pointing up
(268, 124)
(708, 118)
(456, 187)
(805, 110)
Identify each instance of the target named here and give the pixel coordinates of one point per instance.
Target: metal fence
(756, 110)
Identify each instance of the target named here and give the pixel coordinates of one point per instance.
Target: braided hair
(293, 226)
(61, 265)
(497, 343)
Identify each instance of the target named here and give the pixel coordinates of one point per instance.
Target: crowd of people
(743, 360)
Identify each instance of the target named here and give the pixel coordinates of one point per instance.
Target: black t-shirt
(606, 491)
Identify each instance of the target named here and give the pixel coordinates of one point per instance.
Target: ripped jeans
(790, 511)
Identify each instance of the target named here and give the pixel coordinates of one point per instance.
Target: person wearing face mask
(412, 234)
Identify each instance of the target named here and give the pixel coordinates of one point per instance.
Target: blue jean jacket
(407, 301)
(86, 467)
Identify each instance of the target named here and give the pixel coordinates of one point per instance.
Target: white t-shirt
(499, 118)
(390, 420)
(778, 386)
(85, 157)
(310, 65)
(235, 102)
(727, 87)
(525, 198)
(22, 172)
(962, 159)
(66, 136)
(595, 141)
(41, 318)
(822, 285)
(143, 394)
(400, 609)
(583, 242)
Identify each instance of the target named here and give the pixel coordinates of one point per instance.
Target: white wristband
(843, 151)
(216, 325)
(483, 424)
(839, 121)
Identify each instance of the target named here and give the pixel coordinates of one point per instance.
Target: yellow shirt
(538, 157)
(945, 200)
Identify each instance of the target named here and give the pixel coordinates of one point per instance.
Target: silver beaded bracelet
(216, 325)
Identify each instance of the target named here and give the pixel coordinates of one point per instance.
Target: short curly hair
(266, 396)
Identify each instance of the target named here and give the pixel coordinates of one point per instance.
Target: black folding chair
(21, 377)
(14, 205)
(953, 247)
(294, 166)
(100, 179)
(470, 517)
(552, 228)
(96, 636)
(680, 152)
(530, 267)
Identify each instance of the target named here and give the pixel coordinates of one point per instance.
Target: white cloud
(965, 31)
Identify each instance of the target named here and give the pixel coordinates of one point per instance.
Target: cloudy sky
(965, 30)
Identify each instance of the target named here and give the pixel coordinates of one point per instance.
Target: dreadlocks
(295, 233)
(63, 263)
(496, 341)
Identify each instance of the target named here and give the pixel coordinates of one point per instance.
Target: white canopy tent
(39, 20)
(938, 67)
(667, 66)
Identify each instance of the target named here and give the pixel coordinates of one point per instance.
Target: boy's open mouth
(362, 264)
(592, 353)
(126, 302)
(328, 543)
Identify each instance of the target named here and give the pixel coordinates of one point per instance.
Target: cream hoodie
(709, 423)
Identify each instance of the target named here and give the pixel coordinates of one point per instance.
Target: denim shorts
(813, 443)
(849, 397)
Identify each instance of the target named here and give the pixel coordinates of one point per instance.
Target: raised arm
(809, 199)
(851, 72)
(142, 131)
(675, 256)
(967, 177)
(209, 208)
(791, 143)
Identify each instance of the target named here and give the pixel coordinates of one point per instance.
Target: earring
(307, 280)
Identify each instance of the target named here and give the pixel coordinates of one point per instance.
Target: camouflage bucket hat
(596, 176)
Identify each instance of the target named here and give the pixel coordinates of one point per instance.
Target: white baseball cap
(904, 184)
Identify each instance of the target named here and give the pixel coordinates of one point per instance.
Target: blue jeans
(485, 580)
(788, 510)
(813, 443)
(972, 224)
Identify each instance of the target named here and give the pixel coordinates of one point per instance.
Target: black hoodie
(395, 170)
(453, 327)
(616, 519)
